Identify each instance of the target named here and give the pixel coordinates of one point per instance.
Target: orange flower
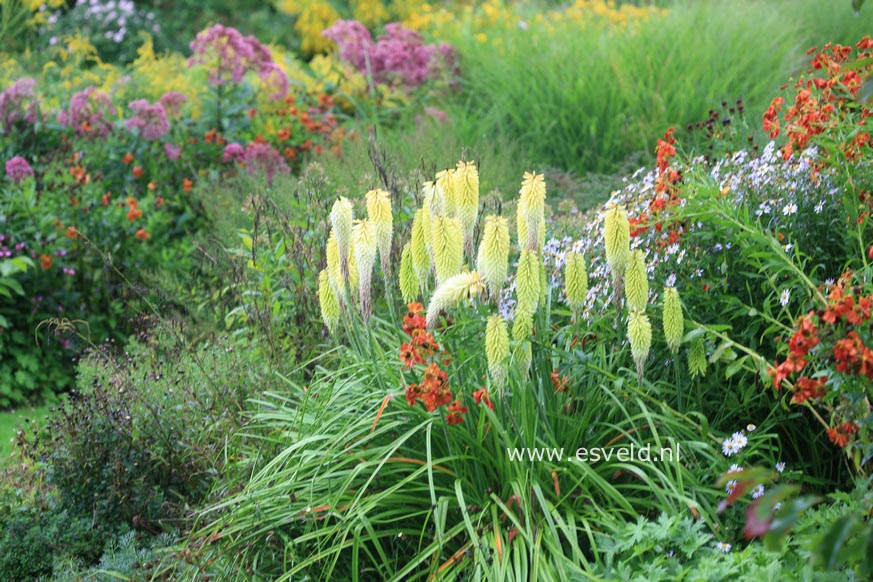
(142, 234)
(283, 134)
(187, 185)
(807, 388)
(456, 412)
(481, 396)
(134, 213)
(841, 433)
(137, 172)
(45, 261)
(127, 159)
(159, 202)
(210, 136)
(152, 186)
(71, 232)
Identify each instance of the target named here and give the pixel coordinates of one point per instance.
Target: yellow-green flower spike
(522, 357)
(575, 282)
(492, 261)
(639, 331)
(364, 243)
(497, 349)
(379, 213)
(330, 310)
(408, 277)
(697, 359)
(453, 291)
(528, 279)
(334, 270)
(522, 322)
(531, 211)
(636, 282)
(434, 198)
(445, 183)
(674, 322)
(448, 247)
(420, 242)
(616, 238)
(341, 217)
(465, 182)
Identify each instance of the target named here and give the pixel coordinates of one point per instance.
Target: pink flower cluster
(17, 104)
(150, 120)
(18, 169)
(172, 102)
(257, 158)
(230, 55)
(88, 113)
(397, 56)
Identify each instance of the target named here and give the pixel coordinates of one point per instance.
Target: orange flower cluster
(134, 212)
(559, 383)
(820, 101)
(841, 433)
(433, 390)
(666, 195)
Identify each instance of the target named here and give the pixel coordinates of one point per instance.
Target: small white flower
(671, 280)
(735, 468)
(758, 491)
(780, 466)
(750, 427)
(785, 297)
(729, 447)
(740, 441)
(789, 209)
(776, 507)
(723, 546)
(730, 486)
(819, 207)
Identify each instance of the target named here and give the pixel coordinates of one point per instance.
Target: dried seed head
(493, 258)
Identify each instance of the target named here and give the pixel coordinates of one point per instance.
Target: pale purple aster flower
(18, 169)
(172, 151)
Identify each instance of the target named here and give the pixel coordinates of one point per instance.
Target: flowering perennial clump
(89, 113)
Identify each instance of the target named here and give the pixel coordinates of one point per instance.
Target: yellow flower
(448, 247)
(528, 279)
(636, 286)
(420, 242)
(453, 291)
(330, 311)
(313, 20)
(364, 242)
(446, 183)
(639, 331)
(522, 323)
(379, 213)
(616, 238)
(674, 323)
(531, 219)
(465, 184)
(408, 278)
(341, 217)
(497, 349)
(493, 257)
(369, 12)
(575, 282)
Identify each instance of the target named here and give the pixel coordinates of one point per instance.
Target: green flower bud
(497, 349)
(674, 323)
(408, 278)
(575, 282)
(697, 359)
(636, 282)
(639, 331)
(330, 310)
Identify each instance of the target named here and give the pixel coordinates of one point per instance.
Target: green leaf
(834, 540)
(785, 519)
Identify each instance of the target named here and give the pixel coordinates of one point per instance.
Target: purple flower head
(172, 151)
(233, 152)
(172, 102)
(150, 120)
(17, 103)
(18, 169)
(257, 158)
(88, 113)
(398, 56)
(229, 56)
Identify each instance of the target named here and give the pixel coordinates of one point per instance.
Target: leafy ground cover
(390, 291)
